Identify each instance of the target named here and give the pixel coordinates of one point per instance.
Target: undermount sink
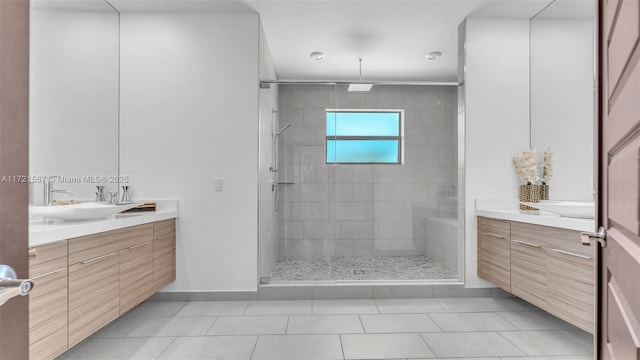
(574, 209)
(80, 212)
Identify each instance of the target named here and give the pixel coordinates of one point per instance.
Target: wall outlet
(218, 184)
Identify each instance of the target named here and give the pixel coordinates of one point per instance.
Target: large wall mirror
(74, 96)
(563, 94)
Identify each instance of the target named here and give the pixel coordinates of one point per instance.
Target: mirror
(563, 95)
(74, 97)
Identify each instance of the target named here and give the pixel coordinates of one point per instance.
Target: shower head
(283, 130)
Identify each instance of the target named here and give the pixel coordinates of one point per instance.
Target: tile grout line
(286, 329)
(512, 343)
(341, 346)
(167, 348)
(364, 331)
(255, 345)
(435, 323)
(428, 347)
(211, 326)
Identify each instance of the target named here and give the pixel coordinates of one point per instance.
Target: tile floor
(453, 328)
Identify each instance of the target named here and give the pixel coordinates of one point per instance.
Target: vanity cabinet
(549, 268)
(164, 253)
(494, 252)
(48, 300)
(84, 283)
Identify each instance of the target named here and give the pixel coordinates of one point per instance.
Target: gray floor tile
(162, 326)
(211, 347)
(471, 322)
(249, 325)
(398, 323)
(481, 304)
(539, 320)
(408, 306)
(278, 307)
(474, 344)
(551, 342)
(298, 347)
(118, 348)
(213, 308)
(324, 324)
(325, 307)
(377, 346)
(156, 308)
(119, 327)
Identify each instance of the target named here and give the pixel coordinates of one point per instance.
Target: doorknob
(11, 286)
(600, 236)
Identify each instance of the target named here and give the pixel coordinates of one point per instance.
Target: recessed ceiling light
(434, 55)
(317, 55)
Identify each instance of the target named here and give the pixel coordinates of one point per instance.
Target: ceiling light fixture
(434, 55)
(360, 87)
(317, 55)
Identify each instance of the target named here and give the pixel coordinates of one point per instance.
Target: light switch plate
(218, 184)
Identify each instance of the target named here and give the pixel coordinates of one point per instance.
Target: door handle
(600, 236)
(11, 286)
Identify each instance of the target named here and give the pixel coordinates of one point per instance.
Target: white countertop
(42, 231)
(509, 210)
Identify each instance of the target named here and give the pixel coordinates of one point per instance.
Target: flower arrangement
(526, 166)
(547, 168)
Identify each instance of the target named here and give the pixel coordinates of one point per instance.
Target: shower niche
(366, 184)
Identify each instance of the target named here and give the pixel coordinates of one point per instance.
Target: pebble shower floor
(359, 268)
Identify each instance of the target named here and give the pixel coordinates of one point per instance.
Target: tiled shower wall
(365, 210)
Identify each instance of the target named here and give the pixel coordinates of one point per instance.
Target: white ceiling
(391, 36)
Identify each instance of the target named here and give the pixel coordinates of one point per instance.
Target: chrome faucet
(48, 193)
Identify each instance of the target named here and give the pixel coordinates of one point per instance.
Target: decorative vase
(529, 193)
(544, 192)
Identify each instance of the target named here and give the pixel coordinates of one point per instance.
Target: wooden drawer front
(494, 227)
(164, 266)
(92, 246)
(164, 228)
(93, 296)
(571, 288)
(494, 260)
(48, 315)
(44, 259)
(529, 272)
(136, 275)
(550, 237)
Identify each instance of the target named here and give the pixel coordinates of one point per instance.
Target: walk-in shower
(365, 184)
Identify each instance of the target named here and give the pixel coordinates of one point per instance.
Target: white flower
(526, 166)
(547, 167)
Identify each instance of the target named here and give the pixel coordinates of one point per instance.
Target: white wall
(190, 115)
(496, 111)
(73, 97)
(269, 229)
(562, 97)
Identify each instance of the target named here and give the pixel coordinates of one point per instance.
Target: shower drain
(358, 271)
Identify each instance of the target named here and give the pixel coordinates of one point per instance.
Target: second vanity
(540, 259)
(87, 274)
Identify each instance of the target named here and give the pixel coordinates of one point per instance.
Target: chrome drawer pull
(493, 235)
(98, 258)
(526, 243)
(139, 245)
(33, 253)
(49, 273)
(165, 237)
(572, 254)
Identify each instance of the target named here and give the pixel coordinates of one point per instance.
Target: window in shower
(364, 136)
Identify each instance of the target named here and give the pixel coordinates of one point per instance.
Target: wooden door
(619, 179)
(14, 150)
